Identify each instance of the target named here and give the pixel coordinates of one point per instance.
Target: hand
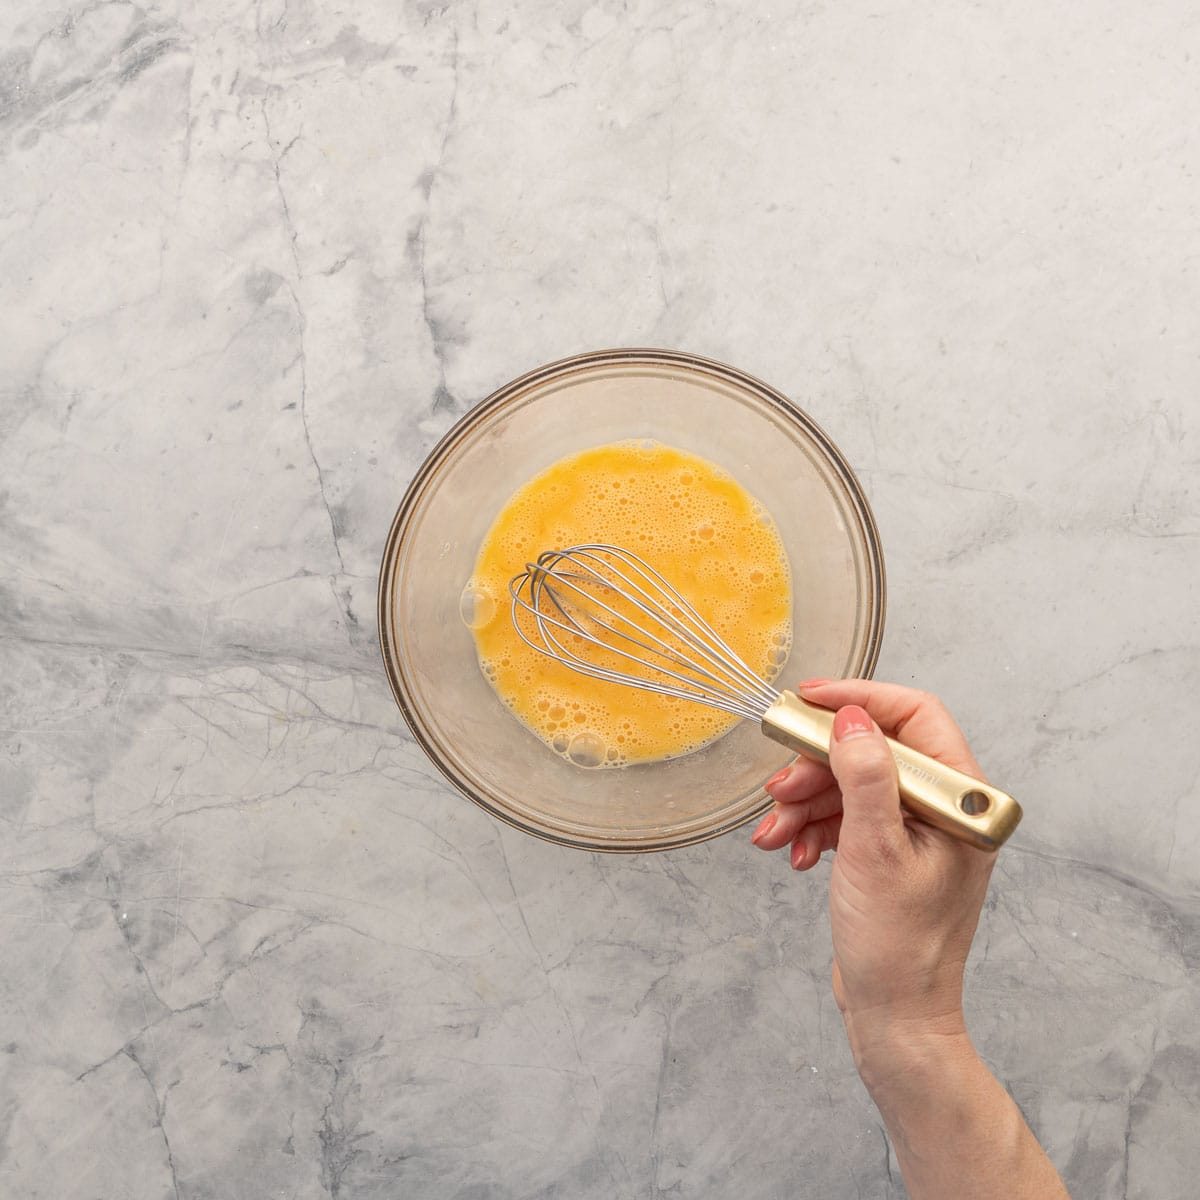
(904, 901)
(904, 898)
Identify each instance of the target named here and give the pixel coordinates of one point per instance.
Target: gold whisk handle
(966, 808)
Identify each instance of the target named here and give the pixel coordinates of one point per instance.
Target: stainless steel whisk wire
(734, 687)
(571, 584)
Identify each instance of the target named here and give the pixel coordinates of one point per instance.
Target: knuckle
(870, 767)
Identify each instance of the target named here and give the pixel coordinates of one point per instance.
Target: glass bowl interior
(771, 447)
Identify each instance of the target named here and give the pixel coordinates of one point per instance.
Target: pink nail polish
(812, 683)
(764, 827)
(797, 856)
(851, 722)
(777, 778)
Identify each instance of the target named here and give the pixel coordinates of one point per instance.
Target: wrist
(955, 1130)
(897, 1053)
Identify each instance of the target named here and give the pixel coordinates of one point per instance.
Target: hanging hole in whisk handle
(974, 803)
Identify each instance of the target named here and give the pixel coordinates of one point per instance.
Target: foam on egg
(697, 527)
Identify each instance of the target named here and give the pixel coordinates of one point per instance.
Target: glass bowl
(765, 442)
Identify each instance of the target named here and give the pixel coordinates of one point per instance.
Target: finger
(918, 719)
(790, 819)
(814, 840)
(866, 772)
(800, 781)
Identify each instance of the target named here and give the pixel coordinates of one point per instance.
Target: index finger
(918, 719)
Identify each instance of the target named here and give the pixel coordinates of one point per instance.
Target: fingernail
(812, 683)
(797, 856)
(778, 778)
(764, 827)
(851, 722)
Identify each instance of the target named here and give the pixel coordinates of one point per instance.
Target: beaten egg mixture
(695, 525)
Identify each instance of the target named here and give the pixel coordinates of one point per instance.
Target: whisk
(600, 598)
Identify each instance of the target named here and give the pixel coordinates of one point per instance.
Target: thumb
(866, 773)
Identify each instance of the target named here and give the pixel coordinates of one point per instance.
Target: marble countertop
(255, 258)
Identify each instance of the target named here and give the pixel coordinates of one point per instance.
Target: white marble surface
(254, 259)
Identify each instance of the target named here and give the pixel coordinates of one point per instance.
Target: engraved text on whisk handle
(915, 769)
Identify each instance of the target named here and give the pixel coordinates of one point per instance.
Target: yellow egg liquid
(690, 521)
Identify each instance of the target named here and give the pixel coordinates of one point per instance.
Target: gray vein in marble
(254, 260)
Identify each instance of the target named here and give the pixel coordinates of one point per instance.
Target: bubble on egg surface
(587, 750)
(476, 607)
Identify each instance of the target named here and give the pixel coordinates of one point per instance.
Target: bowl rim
(630, 356)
